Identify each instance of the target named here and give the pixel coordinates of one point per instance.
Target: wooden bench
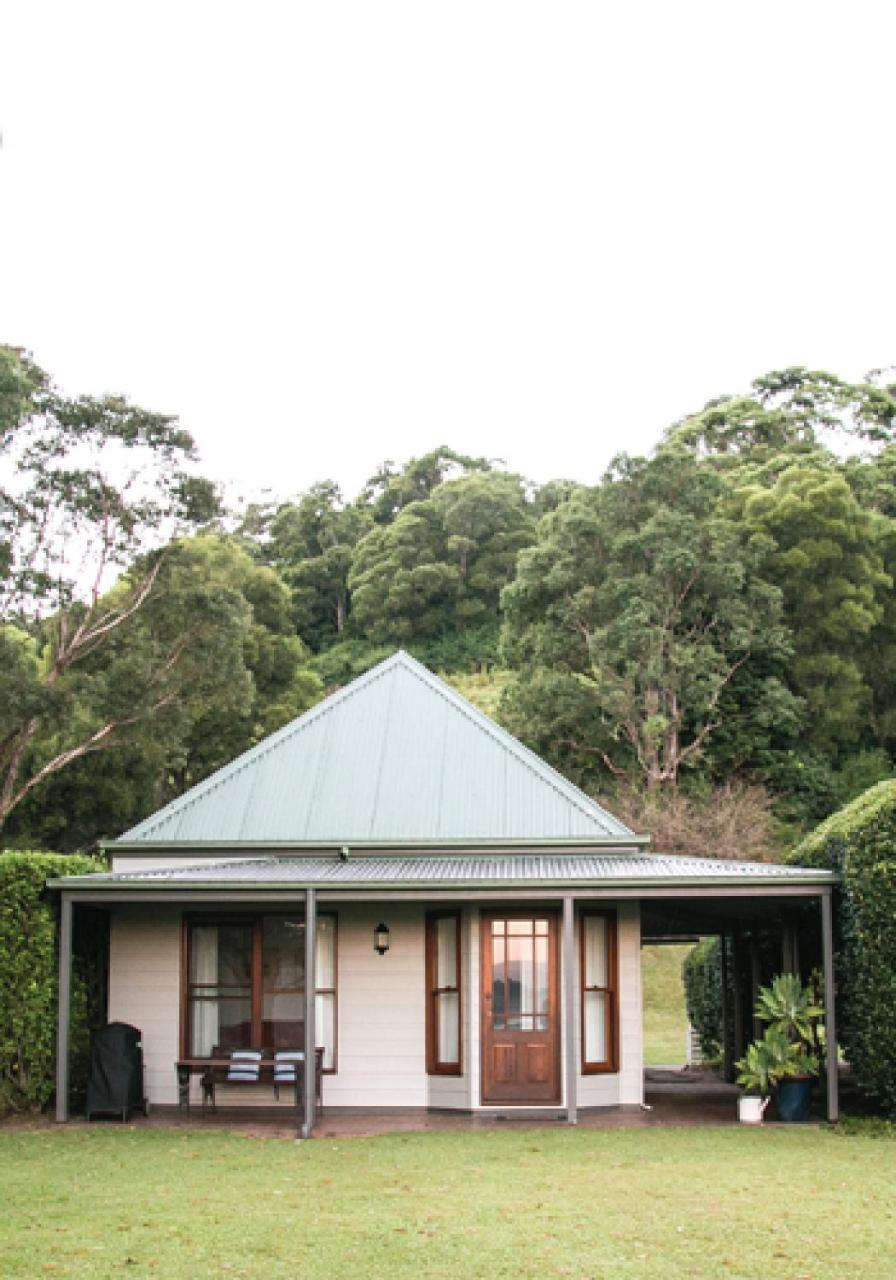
(213, 1071)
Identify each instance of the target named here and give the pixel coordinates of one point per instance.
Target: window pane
(520, 928)
(325, 959)
(520, 974)
(325, 1027)
(283, 1020)
(541, 976)
(541, 927)
(283, 954)
(497, 976)
(498, 926)
(220, 1012)
(595, 1026)
(446, 952)
(597, 973)
(283, 969)
(448, 1025)
(204, 954)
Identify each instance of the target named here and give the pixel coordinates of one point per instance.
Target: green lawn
(665, 1015)
(786, 1202)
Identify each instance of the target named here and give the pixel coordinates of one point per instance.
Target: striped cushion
(245, 1065)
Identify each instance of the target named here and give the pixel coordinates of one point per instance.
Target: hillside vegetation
(704, 640)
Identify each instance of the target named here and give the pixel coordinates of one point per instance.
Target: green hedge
(860, 842)
(29, 979)
(701, 973)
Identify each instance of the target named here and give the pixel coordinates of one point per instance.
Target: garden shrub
(702, 976)
(29, 979)
(860, 842)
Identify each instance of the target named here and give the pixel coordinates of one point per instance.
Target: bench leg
(183, 1088)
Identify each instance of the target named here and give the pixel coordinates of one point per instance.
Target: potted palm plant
(785, 1060)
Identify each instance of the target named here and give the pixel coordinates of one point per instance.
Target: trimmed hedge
(860, 842)
(701, 974)
(29, 979)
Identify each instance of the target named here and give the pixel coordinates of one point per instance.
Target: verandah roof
(432, 872)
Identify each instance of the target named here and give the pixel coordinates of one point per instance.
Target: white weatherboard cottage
(461, 925)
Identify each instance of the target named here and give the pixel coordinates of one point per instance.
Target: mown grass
(796, 1203)
(665, 1014)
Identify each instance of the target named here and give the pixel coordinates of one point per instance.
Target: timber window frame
(444, 1000)
(599, 992)
(253, 990)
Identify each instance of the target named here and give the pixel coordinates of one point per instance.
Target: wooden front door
(520, 1009)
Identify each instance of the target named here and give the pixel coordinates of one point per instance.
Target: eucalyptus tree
(91, 487)
(635, 614)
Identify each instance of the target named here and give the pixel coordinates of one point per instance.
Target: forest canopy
(714, 619)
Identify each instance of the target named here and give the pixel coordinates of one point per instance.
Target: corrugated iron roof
(432, 871)
(397, 756)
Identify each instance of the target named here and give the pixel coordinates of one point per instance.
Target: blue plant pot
(793, 1098)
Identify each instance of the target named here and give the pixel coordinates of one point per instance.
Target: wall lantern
(381, 939)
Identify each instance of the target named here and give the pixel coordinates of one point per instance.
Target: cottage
(459, 924)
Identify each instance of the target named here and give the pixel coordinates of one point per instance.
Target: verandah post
(310, 1013)
(830, 1017)
(569, 1007)
(64, 1006)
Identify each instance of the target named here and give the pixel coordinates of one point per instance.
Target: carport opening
(753, 940)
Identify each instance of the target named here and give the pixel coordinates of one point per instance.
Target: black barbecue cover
(115, 1082)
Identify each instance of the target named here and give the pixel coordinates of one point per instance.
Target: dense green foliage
(702, 975)
(649, 601)
(715, 620)
(29, 979)
(860, 843)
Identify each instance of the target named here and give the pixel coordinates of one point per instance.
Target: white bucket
(751, 1110)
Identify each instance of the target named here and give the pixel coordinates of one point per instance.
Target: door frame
(552, 915)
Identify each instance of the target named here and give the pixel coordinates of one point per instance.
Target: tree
(441, 564)
(311, 543)
(825, 553)
(648, 602)
(795, 409)
(92, 483)
(270, 665)
(244, 676)
(392, 489)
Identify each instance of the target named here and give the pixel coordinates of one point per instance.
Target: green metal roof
(397, 757)
(483, 871)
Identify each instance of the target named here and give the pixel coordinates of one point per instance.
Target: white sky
(329, 233)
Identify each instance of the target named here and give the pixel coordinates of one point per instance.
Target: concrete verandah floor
(673, 1098)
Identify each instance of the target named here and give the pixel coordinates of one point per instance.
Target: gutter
(818, 878)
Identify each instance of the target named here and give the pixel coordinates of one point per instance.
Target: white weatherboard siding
(144, 988)
(381, 1045)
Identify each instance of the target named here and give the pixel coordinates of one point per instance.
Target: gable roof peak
(396, 755)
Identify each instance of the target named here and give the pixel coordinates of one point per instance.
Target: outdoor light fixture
(381, 939)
